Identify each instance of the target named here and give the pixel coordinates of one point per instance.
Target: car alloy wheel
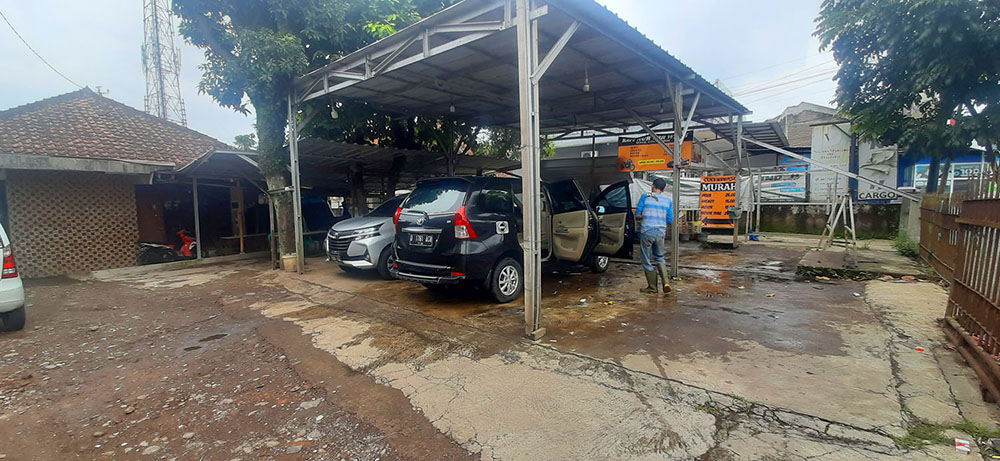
(508, 281)
(602, 261)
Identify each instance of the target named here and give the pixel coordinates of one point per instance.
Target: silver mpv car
(365, 242)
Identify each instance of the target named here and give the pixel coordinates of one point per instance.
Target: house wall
(64, 222)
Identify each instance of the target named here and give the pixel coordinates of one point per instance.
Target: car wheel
(599, 264)
(13, 320)
(385, 262)
(506, 281)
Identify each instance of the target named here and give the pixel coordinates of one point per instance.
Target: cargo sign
(644, 154)
(718, 193)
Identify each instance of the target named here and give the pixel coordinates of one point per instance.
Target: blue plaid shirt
(657, 211)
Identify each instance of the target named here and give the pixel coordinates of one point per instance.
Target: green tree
(451, 137)
(500, 142)
(254, 49)
(245, 142)
(924, 74)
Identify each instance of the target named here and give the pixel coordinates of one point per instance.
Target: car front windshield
(387, 209)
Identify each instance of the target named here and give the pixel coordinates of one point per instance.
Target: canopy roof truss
(460, 62)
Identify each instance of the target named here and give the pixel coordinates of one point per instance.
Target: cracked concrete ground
(742, 362)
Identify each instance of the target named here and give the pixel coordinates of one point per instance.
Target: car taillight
(395, 217)
(9, 267)
(463, 228)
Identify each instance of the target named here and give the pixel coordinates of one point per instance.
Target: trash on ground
(822, 277)
(918, 349)
(770, 295)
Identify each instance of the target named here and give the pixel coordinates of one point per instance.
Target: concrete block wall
(66, 222)
(871, 221)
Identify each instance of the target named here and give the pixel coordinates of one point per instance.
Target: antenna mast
(161, 63)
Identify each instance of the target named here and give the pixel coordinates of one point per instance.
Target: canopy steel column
(527, 62)
(197, 217)
(739, 144)
(293, 150)
(675, 230)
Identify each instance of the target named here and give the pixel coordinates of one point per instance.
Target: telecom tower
(161, 63)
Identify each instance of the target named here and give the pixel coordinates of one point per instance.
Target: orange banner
(644, 154)
(718, 193)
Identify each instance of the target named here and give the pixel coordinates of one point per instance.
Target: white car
(11, 289)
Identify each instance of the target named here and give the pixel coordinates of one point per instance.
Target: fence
(939, 232)
(960, 237)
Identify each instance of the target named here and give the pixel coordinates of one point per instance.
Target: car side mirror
(600, 210)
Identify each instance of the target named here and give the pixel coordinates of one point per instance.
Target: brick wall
(71, 222)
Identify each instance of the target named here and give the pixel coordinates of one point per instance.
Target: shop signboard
(831, 146)
(644, 154)
(786, 186)
(959, 172)
(718, 194)
(879, 165)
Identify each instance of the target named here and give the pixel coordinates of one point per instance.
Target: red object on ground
(185, 244)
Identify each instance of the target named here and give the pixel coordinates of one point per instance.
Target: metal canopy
(461, 62)
(769, 132)
(545, 66)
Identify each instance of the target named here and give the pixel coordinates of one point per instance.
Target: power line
(750, 86)
(779, 85)
(791, 92)
(761, 69)
(25, 42)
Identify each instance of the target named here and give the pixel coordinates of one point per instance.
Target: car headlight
(367, 232)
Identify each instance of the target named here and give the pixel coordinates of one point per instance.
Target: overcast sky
(762, 51)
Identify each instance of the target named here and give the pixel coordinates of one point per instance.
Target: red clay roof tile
(84, 124)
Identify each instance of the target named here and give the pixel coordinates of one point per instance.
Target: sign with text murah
(718, 193)
(644, 154)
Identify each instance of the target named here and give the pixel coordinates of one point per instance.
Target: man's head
(659, 185)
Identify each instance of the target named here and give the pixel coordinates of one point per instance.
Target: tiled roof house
(71, 168)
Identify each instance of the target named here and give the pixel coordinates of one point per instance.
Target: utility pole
(161, 63)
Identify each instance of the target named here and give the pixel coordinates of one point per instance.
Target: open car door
(571, 220)
(616, 221)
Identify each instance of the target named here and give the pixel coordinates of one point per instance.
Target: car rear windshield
(437, 196)
(387, 209)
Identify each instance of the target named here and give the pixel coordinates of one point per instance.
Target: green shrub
(905, 246)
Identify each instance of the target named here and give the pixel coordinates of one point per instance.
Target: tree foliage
(921, 73)
(245, 142)
(500, 142)
(254, 49)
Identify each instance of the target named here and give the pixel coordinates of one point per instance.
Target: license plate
(421, 240)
